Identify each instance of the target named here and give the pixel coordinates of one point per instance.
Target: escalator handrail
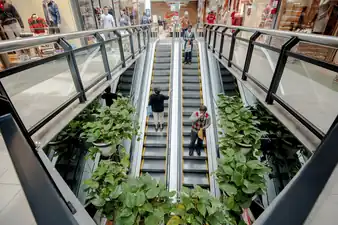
(11, 45)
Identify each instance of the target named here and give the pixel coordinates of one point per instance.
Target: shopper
(109, 97)
(200, 120)
(185, 22)
(189, 38)
(156, 101)
(124, 20)
(211, 18)
(145, 20)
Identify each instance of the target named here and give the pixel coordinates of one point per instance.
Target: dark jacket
(9, 15)
(156, 101)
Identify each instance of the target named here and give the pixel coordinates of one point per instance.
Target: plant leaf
(130, 200)
(140, 198)
(153, 192)
(228, 188)
(175, 220)
(126, 212)
(202, 208)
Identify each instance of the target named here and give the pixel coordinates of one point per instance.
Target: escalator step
(161, 72)
(163, 60)
(150, 170)
(160, 54)
(154, 157)
(186, 154)
(191, 79)
(150, 152)
(229, 86)
(191, 102)
(161, 66)
(196, 179)
(190, 72)
(227, 79)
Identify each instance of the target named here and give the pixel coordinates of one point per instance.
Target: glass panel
(113, 54)
(26, 55)
(312, 91)
(90, 65)
(262, 66)
(241, 48)
(126, 46)
(226, 46)
(38, 91)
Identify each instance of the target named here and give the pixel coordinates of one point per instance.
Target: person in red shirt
(37, 24)
(211, 17)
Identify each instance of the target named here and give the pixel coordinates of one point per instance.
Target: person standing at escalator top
(185, 22)
(124, 20)
(156, 101)
(189, 38)
(200, 121)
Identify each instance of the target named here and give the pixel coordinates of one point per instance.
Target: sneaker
(161, 127)
(156, 128)
(191, 152)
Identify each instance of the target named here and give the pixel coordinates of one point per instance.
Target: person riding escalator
(156, 101)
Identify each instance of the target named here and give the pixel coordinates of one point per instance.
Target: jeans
(187, 56)
(193, 146)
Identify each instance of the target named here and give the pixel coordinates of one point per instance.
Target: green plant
(239, 126)
(112, 124)
(240, 179)
(104, 186)
(199, 207)
(240, 175)
(143, 200)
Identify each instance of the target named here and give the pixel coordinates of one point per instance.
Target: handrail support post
(249, 54)
(74, 70)
(210, 30)
(118, 34)
(215, 35)
(277, 75)
(131, 43)
(222, 43)
(104, 55)
(232, 47)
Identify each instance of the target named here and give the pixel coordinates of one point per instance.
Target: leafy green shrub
(240, 179)
(199, 207)
(104, 186)
(112, 124)
(143, 200)
(240, 175)
(239, 125)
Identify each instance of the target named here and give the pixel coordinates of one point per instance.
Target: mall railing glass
(302, 83)
(294, 204)
(107, 51)
(79, 61)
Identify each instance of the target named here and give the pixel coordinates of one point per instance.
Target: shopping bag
(187, 48)
(201, 134)
(149, 111)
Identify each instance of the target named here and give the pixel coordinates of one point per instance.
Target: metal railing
(133, 38)
(211, 32)
(22, 150)
(295, 203)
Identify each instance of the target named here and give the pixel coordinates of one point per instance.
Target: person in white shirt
(107, 22)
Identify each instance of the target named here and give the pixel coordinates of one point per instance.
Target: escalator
(194, 168)
(126, 81)
(154, 153)
(229, 82)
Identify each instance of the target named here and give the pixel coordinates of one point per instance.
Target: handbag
(201, 134)
(187, 48)
(149, 111)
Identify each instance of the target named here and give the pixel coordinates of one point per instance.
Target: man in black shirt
(109, 97)
(156, 101)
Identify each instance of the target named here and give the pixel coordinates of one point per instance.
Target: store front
(311, 16)
(34, 18)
